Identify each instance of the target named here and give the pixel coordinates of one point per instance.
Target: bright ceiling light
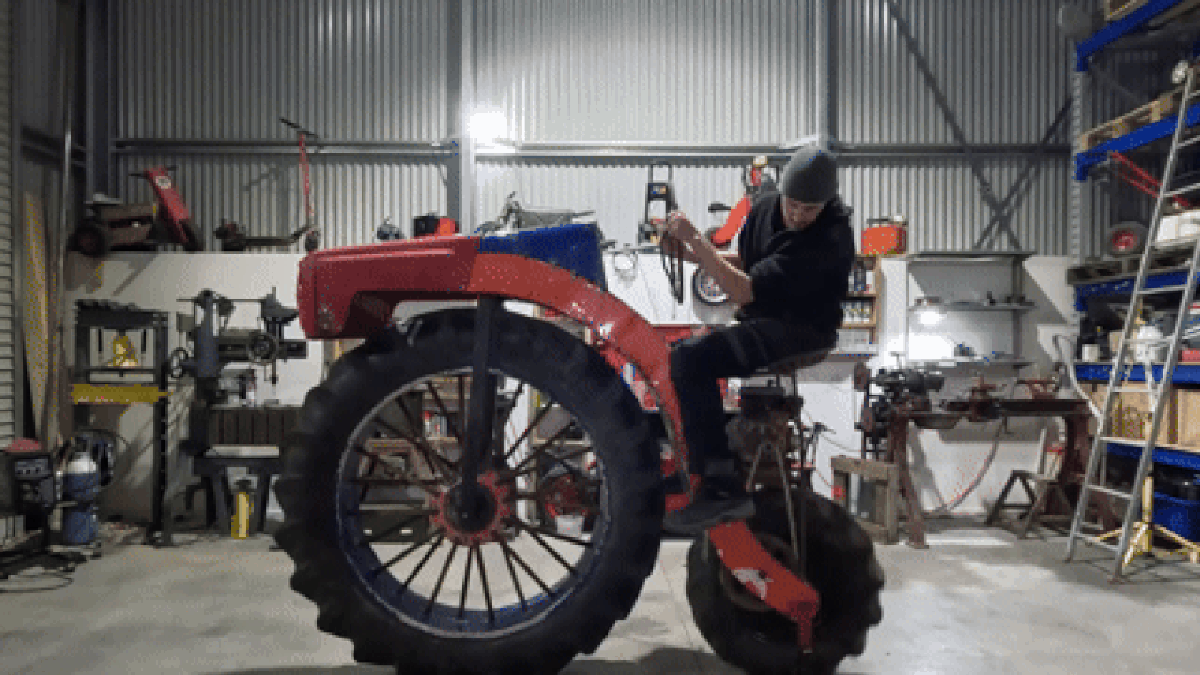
(929, 317)
(487, 126)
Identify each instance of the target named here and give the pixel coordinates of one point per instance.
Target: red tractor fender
(352, 292)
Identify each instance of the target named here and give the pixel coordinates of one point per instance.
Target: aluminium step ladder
(1159, 392)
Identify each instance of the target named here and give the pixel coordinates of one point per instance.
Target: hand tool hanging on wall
(311, 236)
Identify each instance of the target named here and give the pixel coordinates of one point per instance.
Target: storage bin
(1177, 515)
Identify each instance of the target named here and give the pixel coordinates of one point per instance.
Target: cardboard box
(1132, 412)
(1188, 418)
(883, 240)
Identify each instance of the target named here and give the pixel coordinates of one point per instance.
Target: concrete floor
(978, 602)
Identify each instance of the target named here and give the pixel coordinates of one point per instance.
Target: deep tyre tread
(842, 568)
(553, 361)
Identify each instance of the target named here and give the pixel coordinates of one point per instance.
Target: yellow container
(241, 512)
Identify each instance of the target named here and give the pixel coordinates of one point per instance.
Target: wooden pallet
(1155, 111)
(1127, 266)
(1119, 9)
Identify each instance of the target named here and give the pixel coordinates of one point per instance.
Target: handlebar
(298, 128)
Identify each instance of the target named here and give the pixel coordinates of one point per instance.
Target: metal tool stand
(150, 387)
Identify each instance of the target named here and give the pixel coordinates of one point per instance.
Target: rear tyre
(92, 238)
(841, 567)
(391, 623)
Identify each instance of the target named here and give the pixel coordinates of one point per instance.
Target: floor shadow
(358, 669)
(661, 661)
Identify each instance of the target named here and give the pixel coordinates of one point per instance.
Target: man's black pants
(697, 363)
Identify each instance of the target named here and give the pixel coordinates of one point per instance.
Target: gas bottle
(81, 484)
(81, 479)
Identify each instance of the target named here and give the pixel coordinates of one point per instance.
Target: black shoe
(719, 500)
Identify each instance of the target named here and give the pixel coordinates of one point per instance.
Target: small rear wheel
(841, 567)
(91, 238)
(420, 570)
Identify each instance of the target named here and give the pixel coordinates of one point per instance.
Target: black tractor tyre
(551, 360)
(841, 566)
(92, 238)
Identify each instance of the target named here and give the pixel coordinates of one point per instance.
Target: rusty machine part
(762, 433)
(904, 390)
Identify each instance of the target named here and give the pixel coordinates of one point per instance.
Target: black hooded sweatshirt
(800, 277)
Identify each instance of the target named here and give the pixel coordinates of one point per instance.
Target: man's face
(798, 215)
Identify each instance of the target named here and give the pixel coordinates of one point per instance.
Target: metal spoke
(421, 565)
(546, 546)
(428, 486)
(516, 397)
(431, 455)
(487, 592)
(445, 413)
(423, 513)
(362, 497)
(462, 602)
(462, 402)
(441, 579)
(551, 533)
(403, 554)
(529, 429)
(515, 471)
(526, 567)
(513, 573)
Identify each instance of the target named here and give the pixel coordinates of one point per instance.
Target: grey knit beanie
(810, 176)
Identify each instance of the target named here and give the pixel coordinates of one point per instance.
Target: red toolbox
(883, 236)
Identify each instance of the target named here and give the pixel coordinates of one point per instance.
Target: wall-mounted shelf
(977, 307)
(966, 362)
(868, 300)
(966, 257)
(923, 261)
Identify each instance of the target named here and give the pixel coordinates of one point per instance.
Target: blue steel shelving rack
(1098, 372)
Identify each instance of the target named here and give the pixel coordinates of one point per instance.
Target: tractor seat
(786, 367)
(791, 364)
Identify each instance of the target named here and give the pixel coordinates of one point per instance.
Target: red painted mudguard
(351, 292)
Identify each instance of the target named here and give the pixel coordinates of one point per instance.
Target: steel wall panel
(1001, 65)
(693, 71)
(228, 69)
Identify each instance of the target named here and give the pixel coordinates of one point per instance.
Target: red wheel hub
(490, 528)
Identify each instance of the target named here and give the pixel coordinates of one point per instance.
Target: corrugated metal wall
(8, 231)
(697, 71)
(738, 72)
(1001, 67)
(229, 69)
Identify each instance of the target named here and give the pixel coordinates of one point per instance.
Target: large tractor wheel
(841, 566)
(483, 586)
